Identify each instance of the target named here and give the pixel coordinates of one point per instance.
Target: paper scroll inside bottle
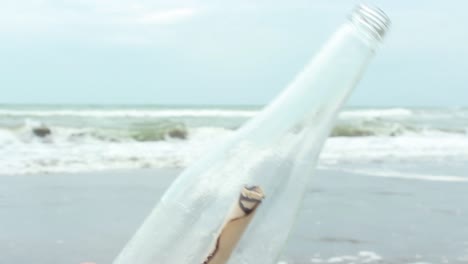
(235, 224)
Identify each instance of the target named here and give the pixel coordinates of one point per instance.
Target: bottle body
(277, 150)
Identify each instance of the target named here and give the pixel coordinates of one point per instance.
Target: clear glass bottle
(277, 150)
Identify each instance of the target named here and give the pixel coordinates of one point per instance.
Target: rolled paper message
(235, 224)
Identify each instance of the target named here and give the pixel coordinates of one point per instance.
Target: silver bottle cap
(372, 20)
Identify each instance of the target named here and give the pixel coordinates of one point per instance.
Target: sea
(391, 185)
(389, 142)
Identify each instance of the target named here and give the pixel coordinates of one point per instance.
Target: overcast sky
(219, 52)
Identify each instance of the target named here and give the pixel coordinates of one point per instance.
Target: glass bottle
(277, 150)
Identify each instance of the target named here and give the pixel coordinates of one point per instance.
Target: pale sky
(219, 52)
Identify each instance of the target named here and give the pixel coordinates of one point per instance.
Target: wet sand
(347, 218)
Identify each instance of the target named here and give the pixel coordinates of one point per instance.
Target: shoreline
(80, 217)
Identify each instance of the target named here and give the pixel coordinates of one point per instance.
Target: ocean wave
(45, 144)
(371, 128)
(351, 122)
(430, 148)
(407, 175)
(32, 132)
(138, 112)
(63, 153)
(381, 113)
(361, 257)
(168, 113)
(126, 113)
(391, 129)
(54, 156)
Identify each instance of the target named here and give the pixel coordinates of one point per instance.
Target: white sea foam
(373, 113)
(409, 147)
(130, 113)
(22, 153)
(85, 144)
(221, 112)
(360, 258)
(407, 175)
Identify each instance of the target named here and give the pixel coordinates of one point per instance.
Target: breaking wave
(57, 139)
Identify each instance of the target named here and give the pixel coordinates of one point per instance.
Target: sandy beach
(346, 218)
